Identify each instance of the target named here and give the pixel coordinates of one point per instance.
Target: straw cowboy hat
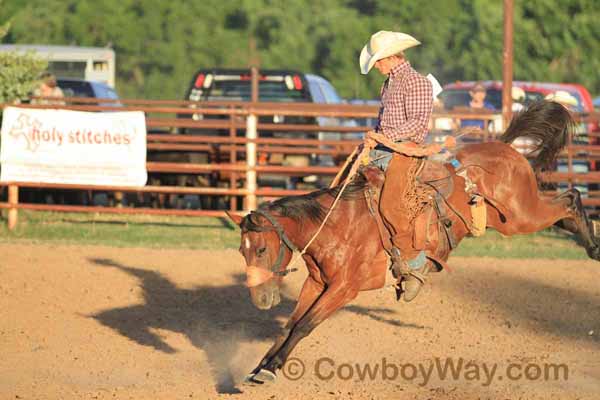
(517, 93)
(563, 97)
(384, 44)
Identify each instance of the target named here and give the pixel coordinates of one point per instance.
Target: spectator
(565, 98)
(477, 103)
(570, 102)
(48, 88)
(518, 97)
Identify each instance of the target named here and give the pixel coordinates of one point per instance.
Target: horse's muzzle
(265, 296)
(256, 276)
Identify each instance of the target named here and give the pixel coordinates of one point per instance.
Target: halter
(283, 239)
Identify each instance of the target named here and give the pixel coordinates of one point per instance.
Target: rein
(257, 276)
(283, 239)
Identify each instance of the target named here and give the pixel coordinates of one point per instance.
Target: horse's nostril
(263, 299)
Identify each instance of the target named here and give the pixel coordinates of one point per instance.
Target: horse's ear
(237, 219)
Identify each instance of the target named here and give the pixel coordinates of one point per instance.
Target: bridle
(258, 276)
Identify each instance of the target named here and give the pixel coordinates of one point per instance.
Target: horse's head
(267, 251)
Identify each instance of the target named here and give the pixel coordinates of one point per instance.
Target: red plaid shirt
(406, 104)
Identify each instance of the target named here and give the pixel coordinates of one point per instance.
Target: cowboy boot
(413, 283)
(411, 273)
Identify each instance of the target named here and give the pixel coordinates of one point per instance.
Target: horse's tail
(549, 124)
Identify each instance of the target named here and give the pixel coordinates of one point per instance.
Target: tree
(19, 73)
(159, 45)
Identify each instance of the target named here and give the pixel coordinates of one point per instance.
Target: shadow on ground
(216, 319)
(562, 311)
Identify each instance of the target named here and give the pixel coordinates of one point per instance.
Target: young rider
(406, 106)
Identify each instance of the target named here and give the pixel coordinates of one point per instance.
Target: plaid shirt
(406, 104)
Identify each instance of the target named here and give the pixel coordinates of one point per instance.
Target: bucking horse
(348, 255)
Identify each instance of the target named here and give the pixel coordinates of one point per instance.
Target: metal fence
(221, 150)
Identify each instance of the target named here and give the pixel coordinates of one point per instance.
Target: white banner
(62, 146)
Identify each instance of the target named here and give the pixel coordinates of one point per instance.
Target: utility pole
(507, 63)
(251, 131)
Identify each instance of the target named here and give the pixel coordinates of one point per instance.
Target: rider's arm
(418, 104)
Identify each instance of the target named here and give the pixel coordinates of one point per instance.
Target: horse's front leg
(333, 298)
(312, 288)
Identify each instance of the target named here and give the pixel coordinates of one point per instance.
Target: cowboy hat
(563, 97)
(517, 94)
(384, 44)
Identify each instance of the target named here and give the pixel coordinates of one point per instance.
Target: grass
(546, 244)
(122, 230)
(217, 233)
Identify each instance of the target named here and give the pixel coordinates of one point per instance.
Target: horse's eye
(261, 252)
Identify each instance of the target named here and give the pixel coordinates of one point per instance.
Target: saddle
(439, 177)
(432, 225)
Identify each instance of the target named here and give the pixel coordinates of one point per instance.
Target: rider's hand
(370, 143)
(434, 148)
(450, 142)
(369, 140)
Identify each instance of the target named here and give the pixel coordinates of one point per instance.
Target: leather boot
(413, 283)
(409, 280)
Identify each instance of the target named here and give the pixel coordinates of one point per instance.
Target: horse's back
(491, 153)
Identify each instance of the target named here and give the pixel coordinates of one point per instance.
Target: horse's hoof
(594, 253)
(260, 378)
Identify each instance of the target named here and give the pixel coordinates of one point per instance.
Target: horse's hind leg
(565, 211)
(578, 222)
(523, 217)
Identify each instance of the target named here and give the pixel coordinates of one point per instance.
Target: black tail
(548, 122)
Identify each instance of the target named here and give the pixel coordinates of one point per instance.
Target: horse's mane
(306, 206)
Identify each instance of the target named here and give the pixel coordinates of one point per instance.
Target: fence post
(251, 134)
(507, 63)
(570, 160)
(233, 158)
(13, 200)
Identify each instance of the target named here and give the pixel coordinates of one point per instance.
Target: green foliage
(160, 44)
(19, 73)
(4, 26)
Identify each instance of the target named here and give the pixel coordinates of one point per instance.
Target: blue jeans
(381, 156)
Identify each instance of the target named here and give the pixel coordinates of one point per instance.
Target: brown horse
(348, 256)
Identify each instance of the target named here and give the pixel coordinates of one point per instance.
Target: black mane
(305, 206)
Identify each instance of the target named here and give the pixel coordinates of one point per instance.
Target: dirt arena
(106, 323)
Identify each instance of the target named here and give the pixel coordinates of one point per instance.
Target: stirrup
(399, 267)
(402, 268)
(398, 289)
